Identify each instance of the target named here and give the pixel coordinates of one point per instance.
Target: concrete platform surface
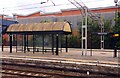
(73, 54)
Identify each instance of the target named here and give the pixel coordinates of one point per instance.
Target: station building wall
(71, 15)
(75, 20)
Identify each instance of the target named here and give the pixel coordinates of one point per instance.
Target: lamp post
(2, 32)
(115, 1)
(2, 29)
(115, 46)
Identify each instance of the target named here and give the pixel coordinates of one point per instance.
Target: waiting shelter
(52, 32)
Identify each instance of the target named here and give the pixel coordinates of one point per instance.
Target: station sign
(102, 33)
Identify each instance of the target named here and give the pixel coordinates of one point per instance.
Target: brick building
(71, 15)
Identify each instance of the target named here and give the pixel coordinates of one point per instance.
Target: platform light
(115, 1)
(116, 35)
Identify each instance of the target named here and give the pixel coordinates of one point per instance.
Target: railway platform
(101, 61)
(95, 56)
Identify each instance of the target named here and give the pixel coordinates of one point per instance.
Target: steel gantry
(85, 12)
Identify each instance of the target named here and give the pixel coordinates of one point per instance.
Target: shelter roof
(40, 27)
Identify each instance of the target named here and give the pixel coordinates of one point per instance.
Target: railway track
(36, 69)
(38, 72)
(35, 74)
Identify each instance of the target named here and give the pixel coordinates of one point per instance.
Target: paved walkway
(101, 56)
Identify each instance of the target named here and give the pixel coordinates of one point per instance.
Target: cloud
(15, 5)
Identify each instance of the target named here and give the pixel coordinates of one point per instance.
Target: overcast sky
(26, 7)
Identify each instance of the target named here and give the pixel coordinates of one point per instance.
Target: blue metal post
(2, 34)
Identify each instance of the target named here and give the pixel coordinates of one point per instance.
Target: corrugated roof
(47, 26)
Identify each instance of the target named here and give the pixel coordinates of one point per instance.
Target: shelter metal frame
(56, 30)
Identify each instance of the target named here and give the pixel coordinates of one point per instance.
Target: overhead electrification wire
(26, 7)
(19, 6)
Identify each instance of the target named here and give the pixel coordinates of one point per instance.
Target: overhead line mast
(85, 12)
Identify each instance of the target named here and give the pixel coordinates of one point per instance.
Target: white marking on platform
(29, 74)
(23, 73)
(44, 75)
(36, 74)
(9, 71)
(3, 70)
(15, 72)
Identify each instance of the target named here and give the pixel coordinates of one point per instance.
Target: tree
(93, 38)
(108, 27)
(92, 27)
(116, 29)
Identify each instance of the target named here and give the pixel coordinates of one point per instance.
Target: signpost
(114, 35)
(102, 33)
